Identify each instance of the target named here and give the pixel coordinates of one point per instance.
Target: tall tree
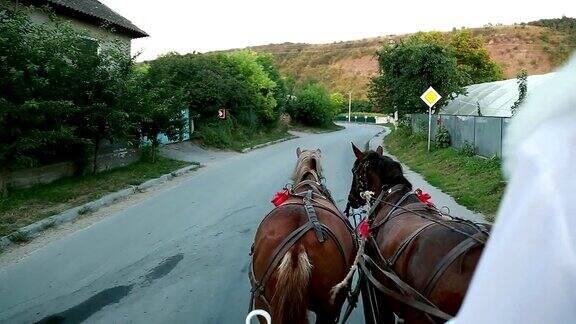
(155, 107)
(204, 81)
(268, 63)
(408, 69)
(338, 101)
(471, 54)
(34, 103)
(244, 66)
(473, 58)
(97, 84)
(313, 106)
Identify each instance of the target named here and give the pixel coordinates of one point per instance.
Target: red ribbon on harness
(280, 197)
(364, 229)
(424, 197)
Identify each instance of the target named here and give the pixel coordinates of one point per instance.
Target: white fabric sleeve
(527, 273)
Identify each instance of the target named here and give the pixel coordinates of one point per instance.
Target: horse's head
(373, 171)
(308, 166)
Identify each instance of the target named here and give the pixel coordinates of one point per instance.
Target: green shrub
(215, 134)
(404, 127)
(467, 149)
(148, 152)
(313, 106)
(442, 137)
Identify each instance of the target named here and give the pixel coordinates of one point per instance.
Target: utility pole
(349, 105)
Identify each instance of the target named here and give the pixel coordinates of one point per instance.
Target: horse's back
(431, 244)
(330, 259)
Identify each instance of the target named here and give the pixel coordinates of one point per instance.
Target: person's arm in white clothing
(527, 273)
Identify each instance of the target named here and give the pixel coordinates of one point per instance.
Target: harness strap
(327, 230)
(400, 284)
(395, 206)
(410, 208)
(441, 267)
(312, 217)
(318, 186)
(427, 308)
(352, 299)
(407, 242)
(333, 212)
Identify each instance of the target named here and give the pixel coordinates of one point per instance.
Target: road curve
(180, 256)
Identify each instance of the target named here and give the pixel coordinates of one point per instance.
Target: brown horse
(420, 262)
(301, 250)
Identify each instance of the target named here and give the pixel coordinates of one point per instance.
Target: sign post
(349, 105)
(430, 97)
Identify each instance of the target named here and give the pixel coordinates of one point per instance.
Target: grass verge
(225, 136)
(474, 182)
(25, 206)
(332, 127)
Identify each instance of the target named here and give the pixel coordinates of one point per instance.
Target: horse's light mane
(305, 164)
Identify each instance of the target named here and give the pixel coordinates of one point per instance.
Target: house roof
(94, 12)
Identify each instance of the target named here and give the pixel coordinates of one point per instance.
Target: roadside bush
(467, 149)
(215, 134)
(404, 126)
(148, 152)
(442, 137)
(245, 83)
(339, 101)
(360, 105)
(313, 106)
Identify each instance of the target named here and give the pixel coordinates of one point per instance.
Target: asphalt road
(180, 256)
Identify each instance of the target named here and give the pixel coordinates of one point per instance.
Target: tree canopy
(64, 96)
(445, 61)
(408, 69)
(471, 56)
(314, 106)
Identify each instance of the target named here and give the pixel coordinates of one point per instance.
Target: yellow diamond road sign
(430, 97)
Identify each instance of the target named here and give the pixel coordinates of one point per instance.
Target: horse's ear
(359, 154)
(298, 152)
(380, 150)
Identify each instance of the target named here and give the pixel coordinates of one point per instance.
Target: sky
(185, 26)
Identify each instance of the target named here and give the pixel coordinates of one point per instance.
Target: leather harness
(415, 299)
(317, 197)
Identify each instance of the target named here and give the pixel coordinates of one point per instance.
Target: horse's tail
(289, 303)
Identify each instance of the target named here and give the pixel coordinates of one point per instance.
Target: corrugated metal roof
(495, 98)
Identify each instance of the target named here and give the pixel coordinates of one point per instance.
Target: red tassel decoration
(364, 229)
(280, 197)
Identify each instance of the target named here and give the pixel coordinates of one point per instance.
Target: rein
(397, 206)
(407, 295)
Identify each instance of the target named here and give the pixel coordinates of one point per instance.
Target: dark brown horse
(418, 262)
(301, 250)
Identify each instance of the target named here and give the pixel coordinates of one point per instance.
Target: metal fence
(485, 134)
(356, 119)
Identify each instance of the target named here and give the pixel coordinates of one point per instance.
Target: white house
(90, 16)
